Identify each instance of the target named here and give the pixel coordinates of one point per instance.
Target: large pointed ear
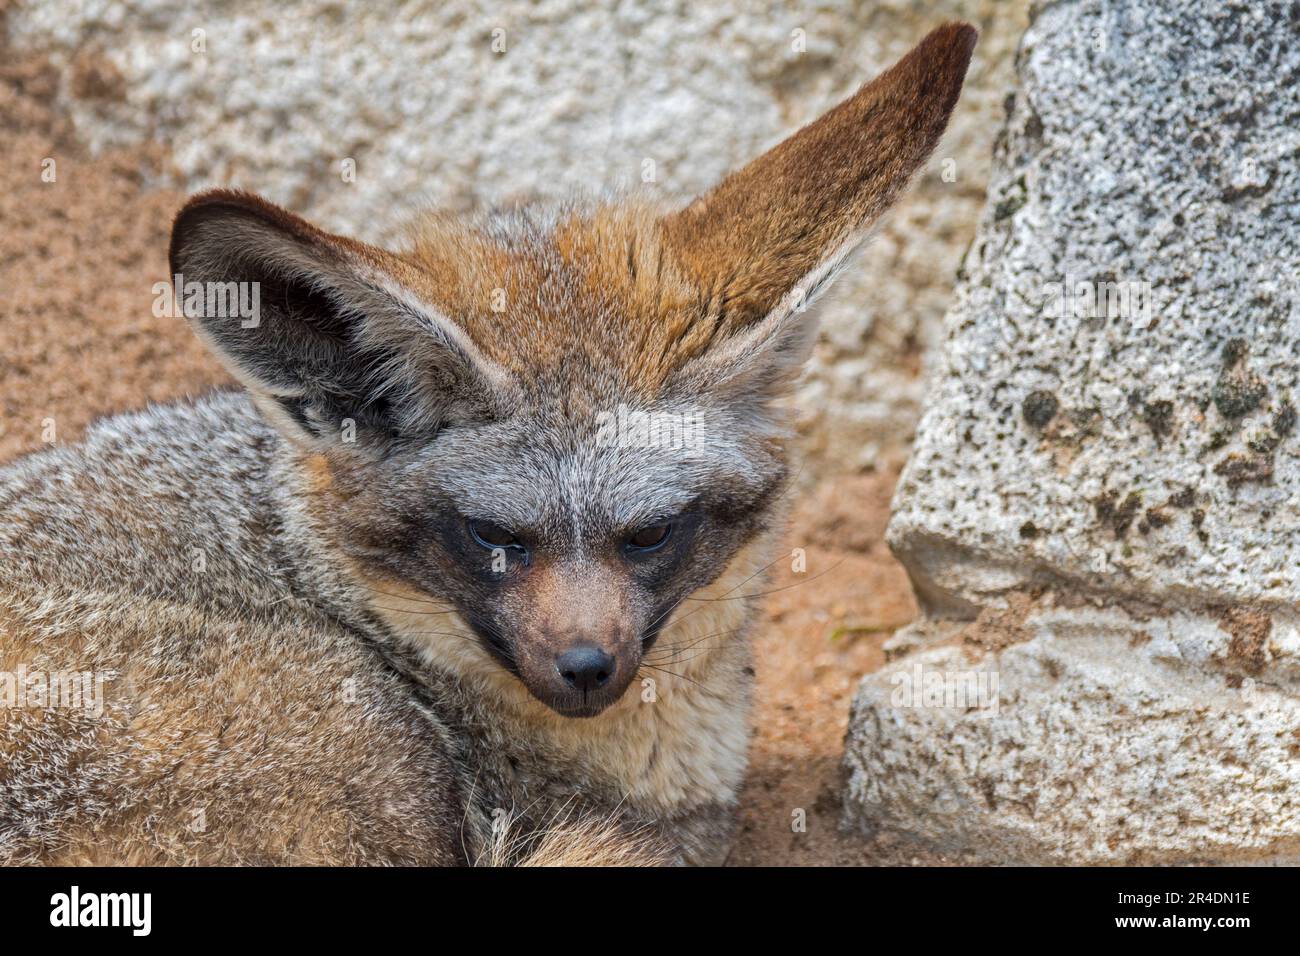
(766, 241)
(328, 333)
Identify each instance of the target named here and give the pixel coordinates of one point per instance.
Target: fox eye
(492, 536)
(650, 538)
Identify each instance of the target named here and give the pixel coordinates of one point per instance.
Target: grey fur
(436, 762)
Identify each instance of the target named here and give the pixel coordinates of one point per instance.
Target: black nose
(585, 668)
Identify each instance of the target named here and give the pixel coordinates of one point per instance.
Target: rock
(461, 103)
(1102, 736)
(1109, 455)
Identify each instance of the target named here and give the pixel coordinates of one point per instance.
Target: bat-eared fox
(463, 573)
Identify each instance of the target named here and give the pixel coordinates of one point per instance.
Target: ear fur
(770, 237)
(339, 336)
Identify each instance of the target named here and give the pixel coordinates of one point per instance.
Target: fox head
(556, 426)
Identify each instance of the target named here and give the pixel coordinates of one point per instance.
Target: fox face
(563, 552)
(542, 431)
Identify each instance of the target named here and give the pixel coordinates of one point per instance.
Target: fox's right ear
(331, 333)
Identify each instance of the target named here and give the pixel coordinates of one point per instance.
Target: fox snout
(578, 677)
(584, 649)
(586, 668)
(582, 680)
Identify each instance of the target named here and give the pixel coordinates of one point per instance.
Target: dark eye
(492, 536)
(650, 538)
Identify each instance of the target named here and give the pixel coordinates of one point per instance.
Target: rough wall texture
(1107, 476)
(456, 103)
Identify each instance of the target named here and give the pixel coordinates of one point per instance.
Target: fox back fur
(418, 593)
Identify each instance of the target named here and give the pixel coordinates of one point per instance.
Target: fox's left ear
(767, 241)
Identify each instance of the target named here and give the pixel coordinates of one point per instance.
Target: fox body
(418, 594)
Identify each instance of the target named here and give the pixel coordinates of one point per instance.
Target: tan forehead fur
(583, 289)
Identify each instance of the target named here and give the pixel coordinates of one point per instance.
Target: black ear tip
(945, 53)
(964, 42)
(938, 64)
(216, 204)
(198, 209)
(213, 201)
(956, 36)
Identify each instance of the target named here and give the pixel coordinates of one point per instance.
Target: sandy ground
(78, 259)
(823, 629)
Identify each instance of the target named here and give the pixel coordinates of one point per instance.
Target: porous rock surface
(1103, 504)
